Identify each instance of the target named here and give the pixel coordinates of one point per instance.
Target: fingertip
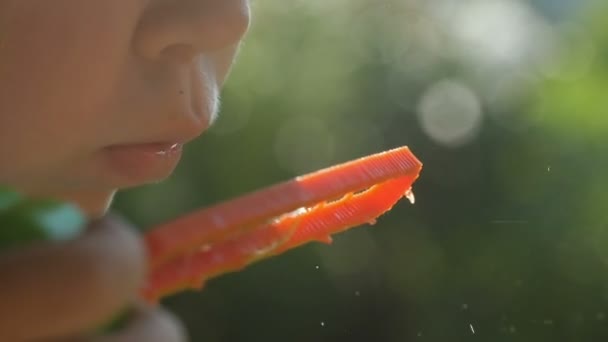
(116, 259)
(72, 287)
(151, 324)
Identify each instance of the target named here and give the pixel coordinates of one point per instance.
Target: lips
(143, 163)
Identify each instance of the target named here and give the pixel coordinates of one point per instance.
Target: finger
(60, 289)
(149, 325)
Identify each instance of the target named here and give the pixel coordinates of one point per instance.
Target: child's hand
(65, 291)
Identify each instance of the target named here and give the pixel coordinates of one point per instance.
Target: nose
(182, 29)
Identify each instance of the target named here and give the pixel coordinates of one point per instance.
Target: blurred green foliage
(508, 240)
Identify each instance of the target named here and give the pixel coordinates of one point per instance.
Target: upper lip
(178, 111)
(189, 132)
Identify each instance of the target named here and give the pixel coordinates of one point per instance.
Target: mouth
(137, 164)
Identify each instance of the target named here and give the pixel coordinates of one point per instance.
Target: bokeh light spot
(450, 113)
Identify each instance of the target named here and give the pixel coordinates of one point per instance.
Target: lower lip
(144, 163)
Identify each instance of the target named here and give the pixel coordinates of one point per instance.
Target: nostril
(179, 53)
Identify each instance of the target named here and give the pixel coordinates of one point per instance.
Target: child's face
(80, 76)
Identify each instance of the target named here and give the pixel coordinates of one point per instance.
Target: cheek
(58, 63)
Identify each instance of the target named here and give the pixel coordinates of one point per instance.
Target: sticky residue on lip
(172, 149)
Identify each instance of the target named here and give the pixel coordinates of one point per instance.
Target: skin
(76, 77)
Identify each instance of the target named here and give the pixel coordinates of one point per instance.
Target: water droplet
(299, 211)
(472, 329)
(409, 194)
(549, 168)
(294, 213)
(317, 267)
(325, 239)
(258, 252)
(322, 324)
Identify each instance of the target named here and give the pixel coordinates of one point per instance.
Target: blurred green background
(506, 104)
